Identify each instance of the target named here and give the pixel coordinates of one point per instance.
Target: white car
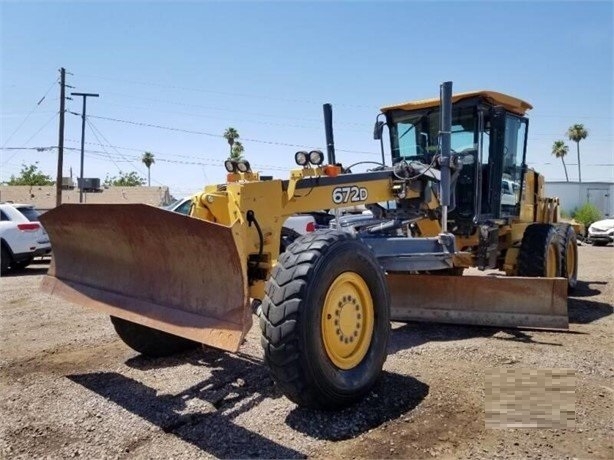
(181, 206)
(22, 237)
(509, 192)
(601, 232)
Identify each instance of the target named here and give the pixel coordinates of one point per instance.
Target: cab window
(513, 157)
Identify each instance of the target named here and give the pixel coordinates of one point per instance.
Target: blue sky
(266, 68)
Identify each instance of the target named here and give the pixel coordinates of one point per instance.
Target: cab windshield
(415, 136)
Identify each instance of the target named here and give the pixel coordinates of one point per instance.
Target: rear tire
(5, 260)
(22, 264)
(325, 320)
(599, 243)
(540, 252)
(569, 259)
(150, 342)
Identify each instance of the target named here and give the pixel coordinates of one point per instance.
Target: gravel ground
(71, 388)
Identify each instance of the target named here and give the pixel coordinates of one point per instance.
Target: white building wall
(574, 194)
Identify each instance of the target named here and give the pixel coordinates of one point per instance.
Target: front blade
(161, 269)
(480, 300)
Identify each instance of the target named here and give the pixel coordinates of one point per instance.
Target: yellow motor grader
(455, 193)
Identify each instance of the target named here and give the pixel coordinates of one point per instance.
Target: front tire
(540, 252)
(325, 320)
(569, 258)
(150, 342)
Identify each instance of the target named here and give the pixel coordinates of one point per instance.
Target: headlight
(301, 158)
(230, 166)
(316, 157)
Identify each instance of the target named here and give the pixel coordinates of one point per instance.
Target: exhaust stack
(328, 128)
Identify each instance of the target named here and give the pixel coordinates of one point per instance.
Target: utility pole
(58, 182)
(85, 96)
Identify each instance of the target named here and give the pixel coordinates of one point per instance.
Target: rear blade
(480, 300)
(164, 270)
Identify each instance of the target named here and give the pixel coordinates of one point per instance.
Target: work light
(243, 166)
(301, 158)
(230, 166)
(316, 157)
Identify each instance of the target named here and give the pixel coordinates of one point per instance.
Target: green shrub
(587, 214)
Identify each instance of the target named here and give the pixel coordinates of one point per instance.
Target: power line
(223, 93)
(207, 107)
(15, 114)
(121, 155)
(40, 149)
(41, 128)
(31, 137)
(115, 147)
(204, 133)
(293, 100)
(98, 139)
(40, 101)
(203, 161)
(242, 121)
(209, 159)
(97, 132)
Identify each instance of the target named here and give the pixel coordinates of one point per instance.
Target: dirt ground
(71, 388)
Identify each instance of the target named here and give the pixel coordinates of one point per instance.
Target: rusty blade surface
(150, 266)
(480, 300)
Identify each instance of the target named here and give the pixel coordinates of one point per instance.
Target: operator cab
(489, 136)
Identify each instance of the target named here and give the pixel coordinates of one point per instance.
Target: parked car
(509, 192)
(22, 237)
(601, 232)
(182, 206)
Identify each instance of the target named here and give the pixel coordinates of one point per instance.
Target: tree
(148, 160)
(559, 150)
(131, 179)
(30, 175)
(231, 135)
(236, 153)
(576, 133)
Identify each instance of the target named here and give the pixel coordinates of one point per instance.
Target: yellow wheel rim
(570, 259)
(347, 320)
(551, 261)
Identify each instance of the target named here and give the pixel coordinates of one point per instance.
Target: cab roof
(512, 104)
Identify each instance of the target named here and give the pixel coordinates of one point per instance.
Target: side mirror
(378, 129)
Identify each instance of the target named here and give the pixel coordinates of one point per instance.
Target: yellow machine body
(195, 276)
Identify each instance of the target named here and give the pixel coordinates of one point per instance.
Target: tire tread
(280, 321)
(534, 249)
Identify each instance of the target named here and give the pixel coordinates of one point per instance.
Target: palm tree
(230, 135)
(576, 133)
(237, 150)
(559, 150)
(148, 160)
